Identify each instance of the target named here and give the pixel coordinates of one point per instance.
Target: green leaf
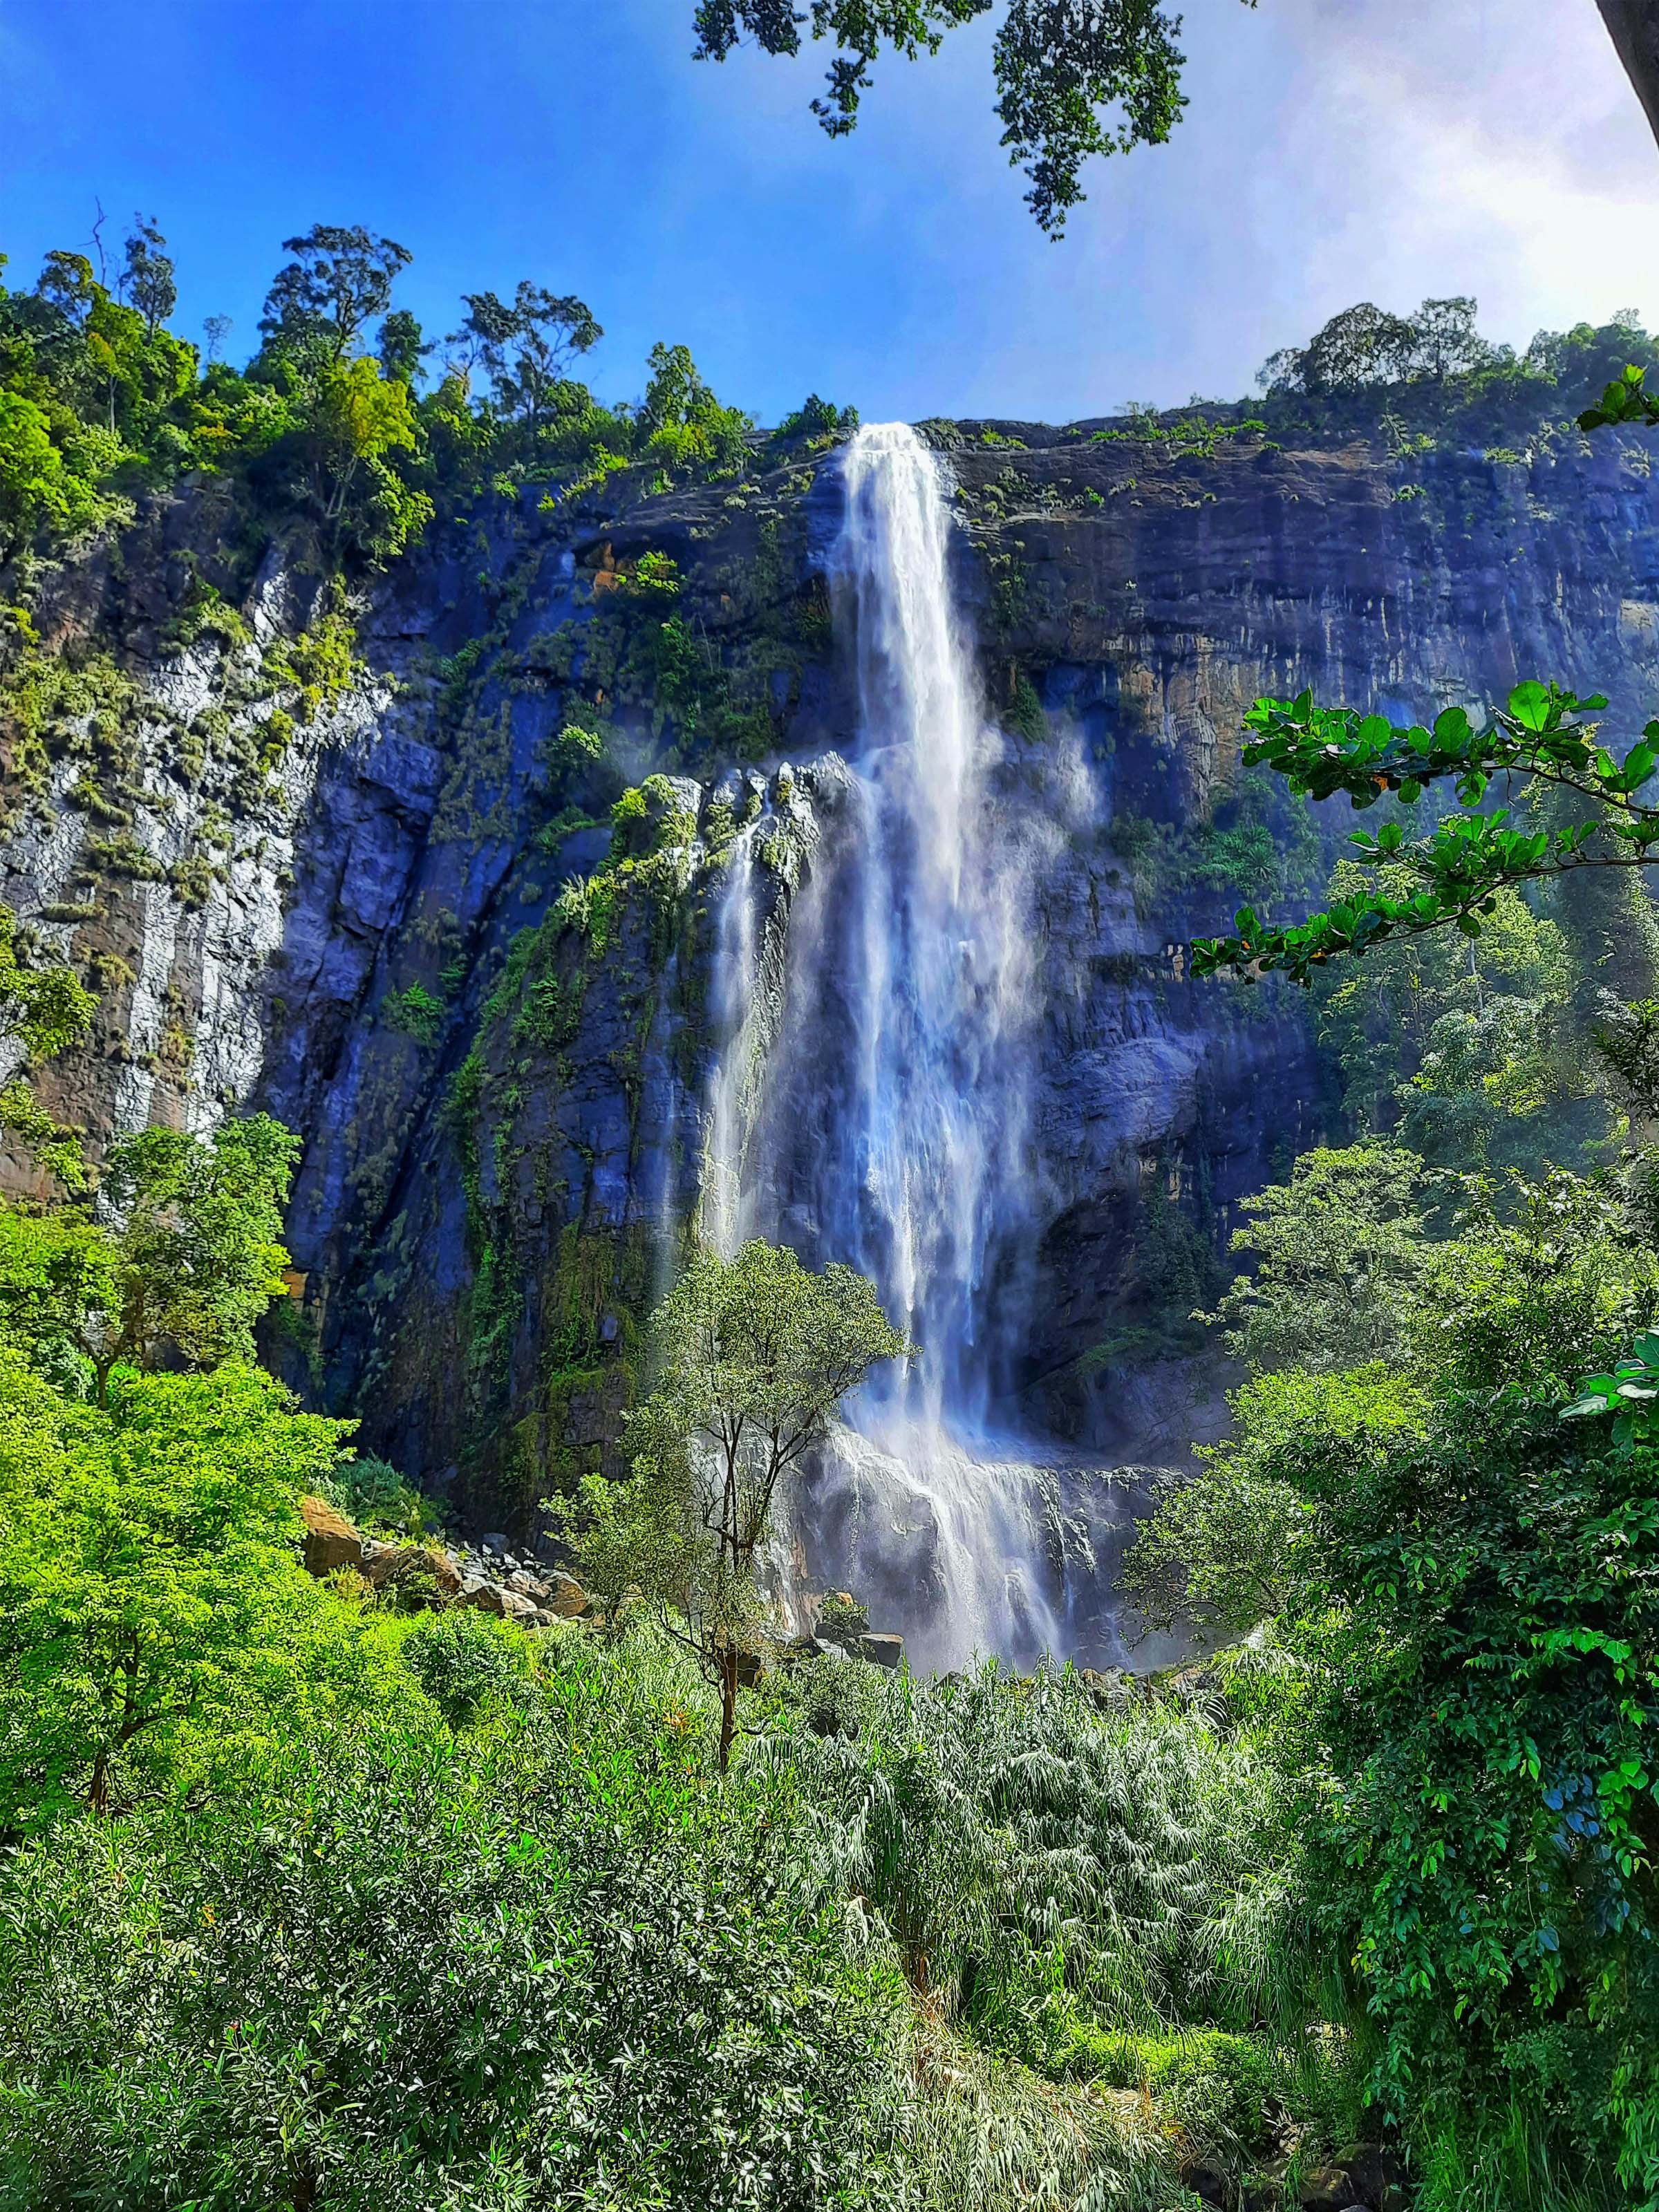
(1529, 703)
(1582, 1408)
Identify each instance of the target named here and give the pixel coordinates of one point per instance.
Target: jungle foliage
(347, 426)
(1440, 1526)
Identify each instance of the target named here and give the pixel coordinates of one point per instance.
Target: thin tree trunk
(1633, 27)
(728, 1703)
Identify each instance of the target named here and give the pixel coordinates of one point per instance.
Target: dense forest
(317, 1888)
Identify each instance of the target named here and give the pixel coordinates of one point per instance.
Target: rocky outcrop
(339, 891)
(330, 1541)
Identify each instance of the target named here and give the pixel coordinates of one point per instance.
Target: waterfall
(891, 1128)
(937, 977)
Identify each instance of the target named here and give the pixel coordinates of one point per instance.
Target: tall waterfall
(889, 1128)
(939, 973)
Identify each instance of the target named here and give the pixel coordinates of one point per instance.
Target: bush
(1221, 2090)
(375, 1495)
(842, 1619)
(523, 1976)
(415, 1013)
(1033, 1855)
(463, 1657)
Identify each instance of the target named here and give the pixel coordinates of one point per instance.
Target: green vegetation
(416, 1011)
(327, 434)
(752, 1356)
(305, 1898)
(1456, 1591)
(1434, 1532)
(308, 1899)
(1185, 437)
(1071, 82)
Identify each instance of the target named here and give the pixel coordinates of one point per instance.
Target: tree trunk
(728, 1703)
(1633, 27)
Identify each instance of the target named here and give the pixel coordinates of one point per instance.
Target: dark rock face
(504, 1089)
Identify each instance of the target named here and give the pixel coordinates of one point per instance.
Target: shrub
(415, 1013)
(422, 1976)
(842, 1619)
(461, 1658)
(1221, 2090)
(375, 1495)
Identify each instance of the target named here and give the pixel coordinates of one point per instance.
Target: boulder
(1328, 2189)
(419, 1577)
(1110, 1689)
(331, 1542)
(495, 1597)
(884, 1650)
(566, 1597)
(528, 1585)
(1377, 2176)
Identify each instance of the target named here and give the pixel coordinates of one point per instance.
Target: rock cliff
(449, 904)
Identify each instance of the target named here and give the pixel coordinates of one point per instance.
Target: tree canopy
(1073, 78)
(328, 432)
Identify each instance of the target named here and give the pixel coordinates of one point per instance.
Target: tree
(38, 487)
(526, 348)
(1226, 1548)
(1467, 1048)
(1342, 1262)
(1463, 1591)
(59, 1289)
(1073, 77)
(193, 1261)
(685, 425)
(1365, 347)
(152, 1601)
(44, 1010)
(752, 1357)
(66, 282)
(338, 280)
(147, 278)
(347, 426)
(403, 348)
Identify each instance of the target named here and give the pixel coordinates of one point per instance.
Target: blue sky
(1335, 150)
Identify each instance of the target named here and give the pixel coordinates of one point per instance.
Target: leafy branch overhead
(1543, 735)
(1074, 78)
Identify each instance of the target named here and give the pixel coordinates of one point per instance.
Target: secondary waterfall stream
(886, 1125)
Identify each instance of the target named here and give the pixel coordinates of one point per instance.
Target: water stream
(888, 1125)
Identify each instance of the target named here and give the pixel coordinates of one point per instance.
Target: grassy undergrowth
(516, 1944)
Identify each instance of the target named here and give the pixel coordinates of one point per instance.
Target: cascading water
(937, 974)
(888, 1128)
